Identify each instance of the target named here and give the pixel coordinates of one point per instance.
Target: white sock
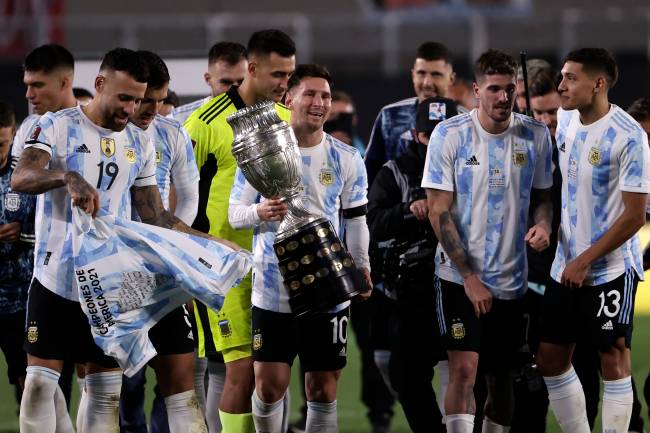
(200, 369)
(81, 409)
(490, 426)
(102, 402)
(617, 405)
(443, 376)
(567, 400)
(267, 416)
(460, 423)
(321, 417)
(63, 421)
(216, 380)
(37, 411)
(286, 411)
(184, 413)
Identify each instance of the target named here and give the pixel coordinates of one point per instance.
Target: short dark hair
(80, 92)
(340, 95)
(266, 42)
(230, 52)
(430, 51)
(7, 115)
(640, 109)
(126, 60)
(309, 70)
(494, 62)
(546, 81)
(47, 58)
(596, 60)
(158, 72)
(172, 98)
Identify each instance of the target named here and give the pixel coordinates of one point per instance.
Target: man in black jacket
(403, 243)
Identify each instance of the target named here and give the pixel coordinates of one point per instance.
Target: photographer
(403, 244)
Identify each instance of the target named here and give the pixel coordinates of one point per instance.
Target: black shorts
(497, 336)
(599, 314)
(57, 328)
(319, 339)
(172, 335)
(11, 343)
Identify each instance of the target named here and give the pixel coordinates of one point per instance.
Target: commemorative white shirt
(181, 113)
(110, 161)
(334, 178)
(598, 162)
(491, 177)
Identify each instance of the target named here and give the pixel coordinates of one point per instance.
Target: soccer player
(49, 72)
(227, 66)
(271, 60)
(534, 66)
(481, 170)
(432, 75)
(16, 257)
(89, 157)
(174, 164)
(334, 182)
(605, 165)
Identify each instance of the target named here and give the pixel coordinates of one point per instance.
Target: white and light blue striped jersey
(110, 161)
(334, 178)
(130, 275)
(598, 163)
(174, 156)
(491, 177)
(182, 112)
(22, 134)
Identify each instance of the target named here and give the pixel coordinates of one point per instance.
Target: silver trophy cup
(317, 270)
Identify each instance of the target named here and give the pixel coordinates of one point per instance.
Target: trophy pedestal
(318, 271)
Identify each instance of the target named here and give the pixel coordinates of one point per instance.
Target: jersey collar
(237, 101)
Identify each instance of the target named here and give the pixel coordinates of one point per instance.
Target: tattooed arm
(443, 224)
(31, 177)
(148, 204)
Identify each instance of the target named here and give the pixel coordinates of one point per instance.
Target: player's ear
(288, 99)
(100, 81)
(252, 67)
(601, 84)
(206, 77)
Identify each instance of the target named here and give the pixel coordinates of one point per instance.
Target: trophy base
(317, 270)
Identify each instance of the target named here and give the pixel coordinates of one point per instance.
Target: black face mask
(342, 122)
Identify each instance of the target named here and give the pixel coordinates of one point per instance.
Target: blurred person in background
(169, 103)
(342, 121)
(533, 66)
(83, 96)
(226, 67)
(16, 256)
(462, 93)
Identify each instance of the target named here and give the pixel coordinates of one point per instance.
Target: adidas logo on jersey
(343, 352)
(82, 149)
(608, 326)
(562, 147)
(472, 161)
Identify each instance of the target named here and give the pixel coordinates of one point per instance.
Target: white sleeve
(439, 166)
(357, 238)
(22, 134)
(242, 206)
(185, 178)
(42, 135)
(634, 160)
(147, 174)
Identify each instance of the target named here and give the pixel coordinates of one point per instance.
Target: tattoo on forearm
(450, 240)
(31, 176)
(544, 210)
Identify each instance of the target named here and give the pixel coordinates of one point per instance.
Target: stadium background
(368, 45)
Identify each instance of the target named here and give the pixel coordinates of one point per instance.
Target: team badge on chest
(520, 159)
(594, 156)
(129, 154)
(12, 202)
(108, 146)
(326, 177)
(458, 331)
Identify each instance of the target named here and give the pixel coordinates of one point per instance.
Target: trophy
(317, 270)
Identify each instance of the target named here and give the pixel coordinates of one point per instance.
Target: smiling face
(150, 106)
(496, 95)
(431, 78)
(270, 74)
(118, 96)
(310, 103)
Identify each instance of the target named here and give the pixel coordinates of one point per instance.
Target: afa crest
(129, 153)
(520, 158)
(32, 334)
(12, 201)
(326, 177)
(257, 341)
(458, 331)
(158, 157)
(108, 146)
(224, 328)
(595, 156)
